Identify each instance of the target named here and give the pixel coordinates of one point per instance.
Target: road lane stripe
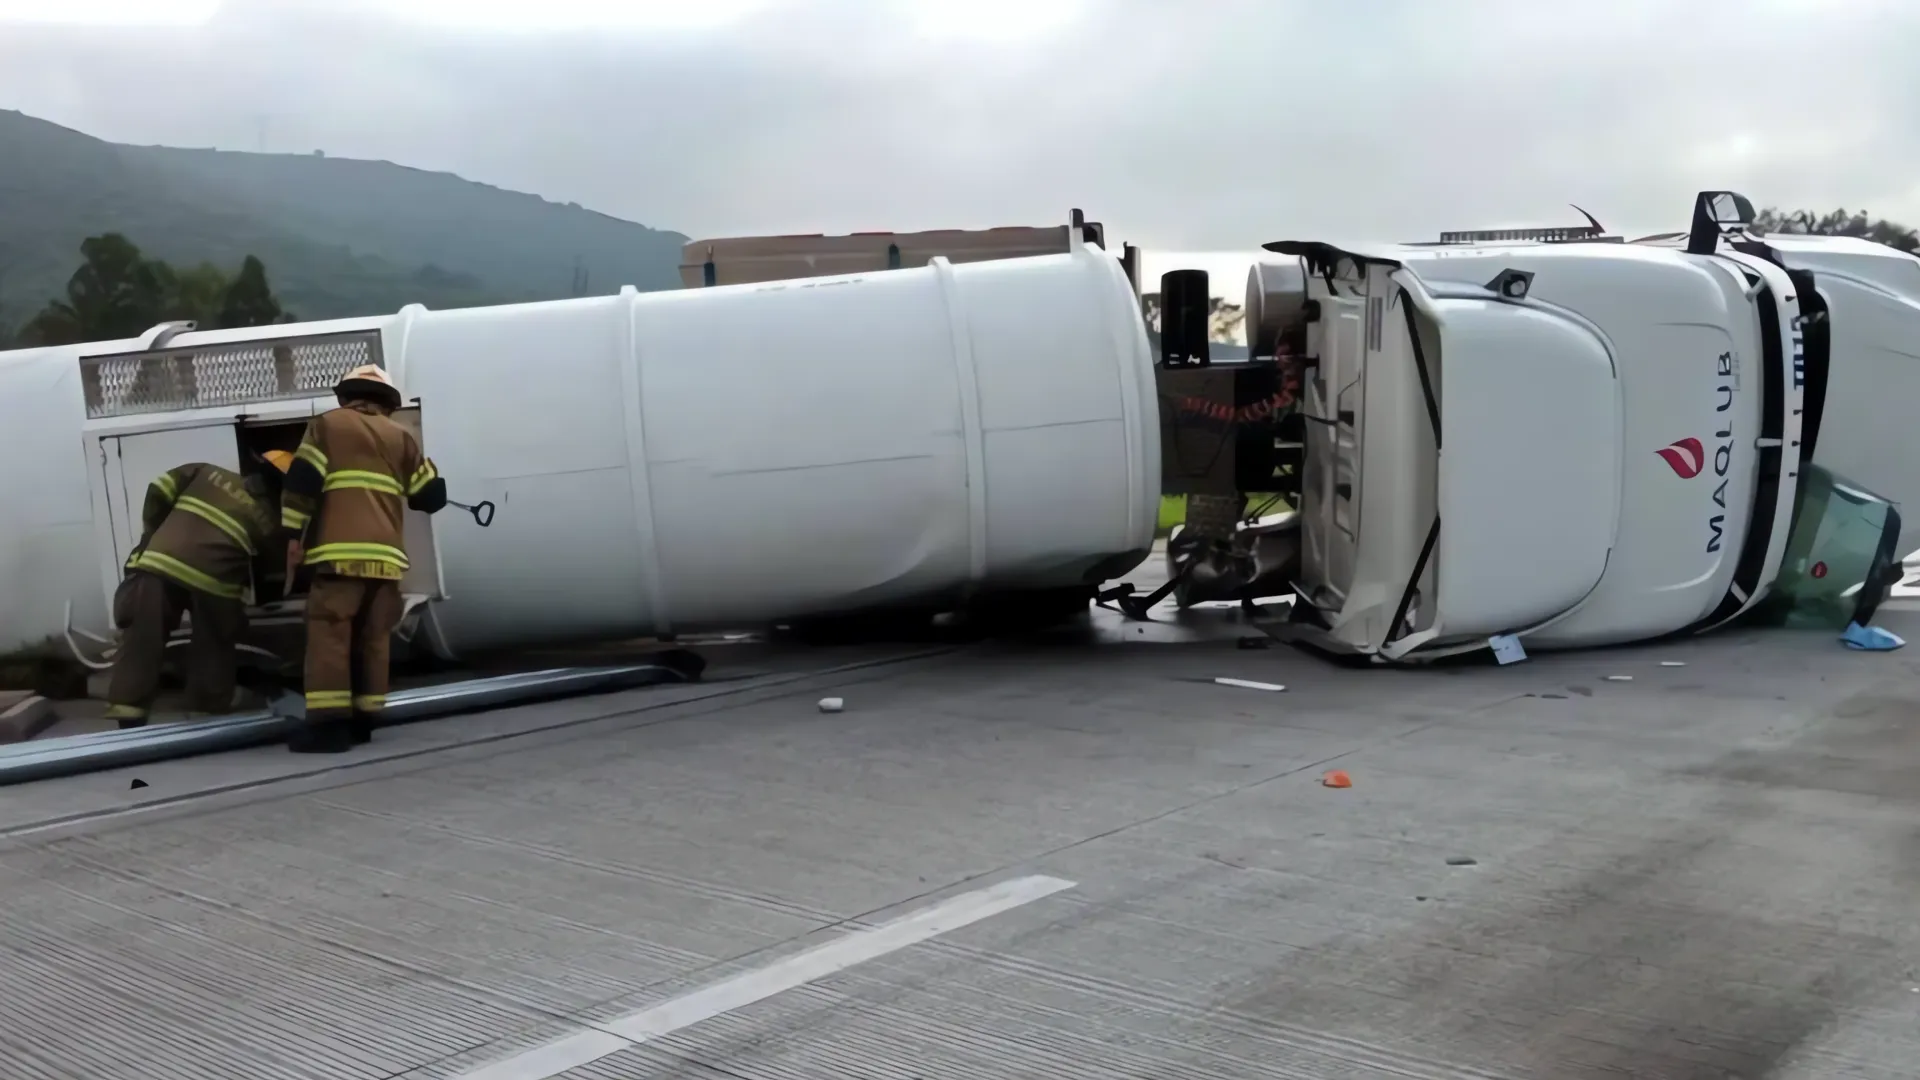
(596, 1041)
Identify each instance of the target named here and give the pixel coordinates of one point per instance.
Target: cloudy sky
(1183, 124)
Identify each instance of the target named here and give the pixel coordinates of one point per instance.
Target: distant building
(744, 259)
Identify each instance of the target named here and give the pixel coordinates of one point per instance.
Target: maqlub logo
(1687, 457)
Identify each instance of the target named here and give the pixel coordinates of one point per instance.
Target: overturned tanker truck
(1576, 442)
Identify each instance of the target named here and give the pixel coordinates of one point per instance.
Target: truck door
(131, 462)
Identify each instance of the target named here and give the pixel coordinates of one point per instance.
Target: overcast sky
(1183, 124)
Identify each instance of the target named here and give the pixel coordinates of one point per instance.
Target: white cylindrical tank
(1276, 300)
(665, 462)
(48, 560)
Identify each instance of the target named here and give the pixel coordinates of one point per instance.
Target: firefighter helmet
(279, 459)
(369, 381)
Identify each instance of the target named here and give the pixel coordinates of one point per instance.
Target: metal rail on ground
(78, 754)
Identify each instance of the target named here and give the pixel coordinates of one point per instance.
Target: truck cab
(1869, 295)
(225, 398)
(1579, 444)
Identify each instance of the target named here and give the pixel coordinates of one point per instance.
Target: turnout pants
(350, 624)
(147, 609)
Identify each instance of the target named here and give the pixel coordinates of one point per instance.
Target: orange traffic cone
(1337, 778)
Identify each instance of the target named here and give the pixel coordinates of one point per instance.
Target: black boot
(362, 728)
(321, 737)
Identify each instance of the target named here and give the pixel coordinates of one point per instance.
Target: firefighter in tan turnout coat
(200, 530)
(352, 480)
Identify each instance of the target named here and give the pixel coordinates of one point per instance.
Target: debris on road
(832, 704)
(1462, 860)
(1673, 663)
(1336, 778)
(24, 715)
(1507, 649)
(1249, 684)
(1871, 638)
(1619, 678)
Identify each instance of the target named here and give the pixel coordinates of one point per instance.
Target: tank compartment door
(422, 581)
(132, 462)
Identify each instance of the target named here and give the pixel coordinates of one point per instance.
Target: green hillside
(338, 237)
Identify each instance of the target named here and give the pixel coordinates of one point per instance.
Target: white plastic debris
(1673, 663)
(1249, 684)
(1507, 648)
(832, 704)
(1619, 678)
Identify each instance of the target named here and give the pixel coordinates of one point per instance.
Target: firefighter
(201, 527)
(356, 473)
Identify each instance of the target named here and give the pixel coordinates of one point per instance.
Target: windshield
(1840, 560)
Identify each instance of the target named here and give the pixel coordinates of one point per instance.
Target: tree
(119, 293)
(200, 295)
(1839, 223)
(249, 300)
(116, 293)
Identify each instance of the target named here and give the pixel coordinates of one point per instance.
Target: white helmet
(370, 380)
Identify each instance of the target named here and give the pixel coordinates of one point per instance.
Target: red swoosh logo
(1687, 457)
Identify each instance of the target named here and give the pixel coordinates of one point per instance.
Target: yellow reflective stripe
(293, 519)
(170, 567)
(422, 476)
(218, 518)
(125, 712)
(329, 699)
(167, 486)
(349, 552)
(313, 456)
(369, 702)
(361, 479)
(379, 571)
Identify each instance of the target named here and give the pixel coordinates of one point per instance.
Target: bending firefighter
(352, 480)
(201, 528)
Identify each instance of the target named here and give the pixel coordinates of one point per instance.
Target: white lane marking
(596, 1041)
(554, 1058)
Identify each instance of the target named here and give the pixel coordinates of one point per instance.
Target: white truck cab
(1579, 444)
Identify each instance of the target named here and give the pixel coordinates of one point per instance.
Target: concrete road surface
(1068, 858)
